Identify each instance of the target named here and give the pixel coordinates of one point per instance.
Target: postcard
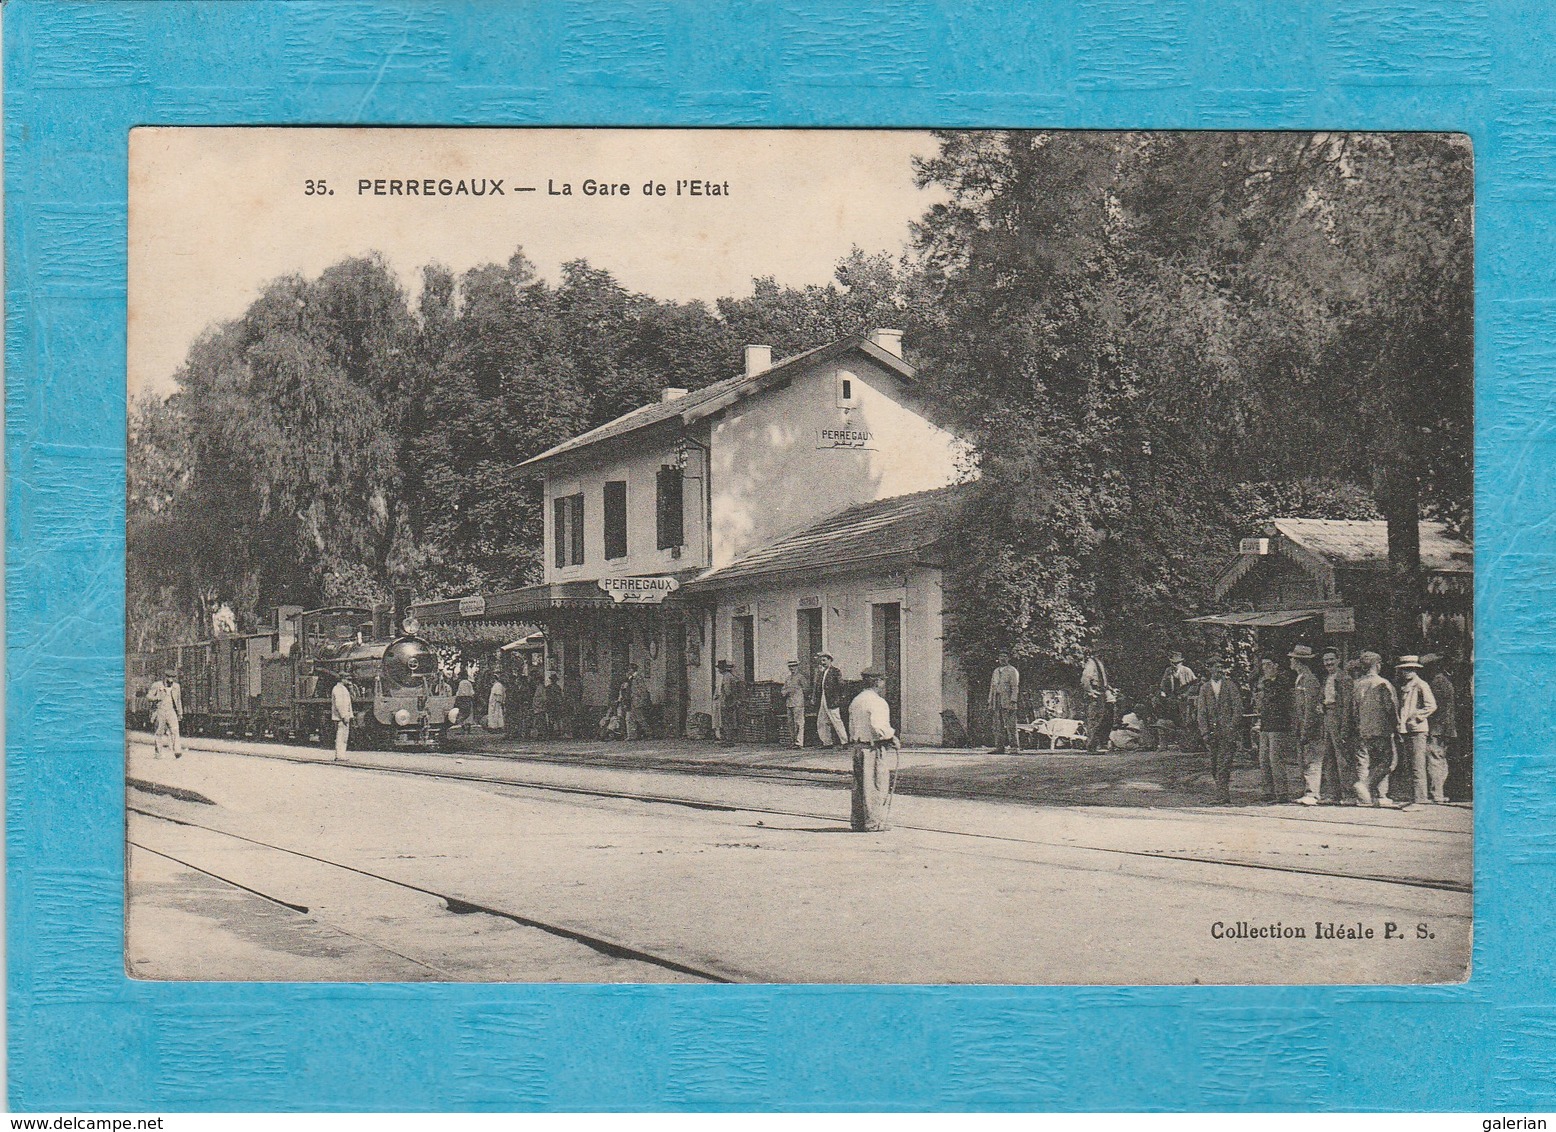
(799, 556)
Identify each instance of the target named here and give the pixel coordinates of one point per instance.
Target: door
(886, 653)
(807, 637)
(742, 632)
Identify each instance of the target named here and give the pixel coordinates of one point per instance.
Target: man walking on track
(343, 715)
(869, 722)
(167, 708)
(828, 685)
(1219, 713)
(1004, 695)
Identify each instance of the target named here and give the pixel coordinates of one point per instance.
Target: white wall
(771, 478)
(846, 630)
(639, 467)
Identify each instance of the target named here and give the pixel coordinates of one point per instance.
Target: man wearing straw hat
(869, 722)
(1416, 705)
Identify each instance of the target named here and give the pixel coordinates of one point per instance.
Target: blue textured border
(78, 76)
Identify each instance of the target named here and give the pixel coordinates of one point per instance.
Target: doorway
(886, 652)
(807, 637)
(742, 643)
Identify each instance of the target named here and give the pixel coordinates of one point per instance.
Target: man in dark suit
(827, 687)
(1219, 713)
(1339, 769)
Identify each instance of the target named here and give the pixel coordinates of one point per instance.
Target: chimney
(759, 359)
(672, 393)
(888, 340)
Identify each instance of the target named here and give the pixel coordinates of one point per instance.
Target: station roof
(1359, 544)
(1325, 547)
(888, 531)
(714, 399)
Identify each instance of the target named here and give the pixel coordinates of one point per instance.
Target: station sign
(642, 590)
(1342, 620)
(841, 436)
(472, 606)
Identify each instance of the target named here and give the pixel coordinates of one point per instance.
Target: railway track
(704, 804)
(610, 948)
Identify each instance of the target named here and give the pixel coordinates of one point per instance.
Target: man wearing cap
(1277, 742)
(723, 687)
(1442, 728)
(1339, 768)
(827, 685)
(1307, 720)
(795, 691)
(167, 706)
(1004, 695)
(869, 722)
(1416, 705)
(1374, 717)
(1177, 703)
(1219, 713)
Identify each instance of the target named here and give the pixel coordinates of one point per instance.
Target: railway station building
(794, 507)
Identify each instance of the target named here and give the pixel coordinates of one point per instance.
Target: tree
(1132, 327)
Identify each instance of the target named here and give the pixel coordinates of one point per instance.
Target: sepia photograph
(799, 556)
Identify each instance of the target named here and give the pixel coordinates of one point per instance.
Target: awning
(522, 609)
(1266, 619)
(529, 641)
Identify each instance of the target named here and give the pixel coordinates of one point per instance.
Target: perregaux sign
(649, 590)
(472, 606)
(856, 438)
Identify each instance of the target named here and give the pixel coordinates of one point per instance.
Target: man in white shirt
(869, 723)
(343, 715)
(167, 710)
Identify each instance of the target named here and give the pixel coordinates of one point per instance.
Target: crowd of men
(1341, 735)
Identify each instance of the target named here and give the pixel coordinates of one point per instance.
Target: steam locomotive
(277, 684)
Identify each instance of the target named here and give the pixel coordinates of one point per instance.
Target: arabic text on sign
(472, 606)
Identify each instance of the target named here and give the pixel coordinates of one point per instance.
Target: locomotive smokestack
(402, 607)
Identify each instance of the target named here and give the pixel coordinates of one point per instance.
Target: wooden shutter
(668, 514)
(559, 538)
(578, 530)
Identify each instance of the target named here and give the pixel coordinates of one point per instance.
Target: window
(615, 518)
(847, 389)
(567, 529)
(667, 508)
